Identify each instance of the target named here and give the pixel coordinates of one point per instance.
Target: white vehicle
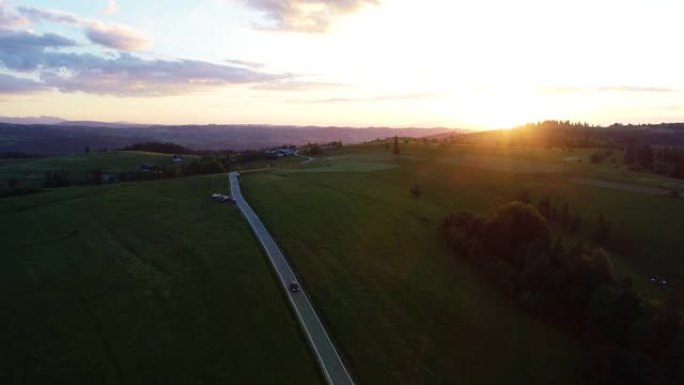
(223, 198)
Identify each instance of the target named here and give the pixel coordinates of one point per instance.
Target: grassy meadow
(77, 165)
(149, 283)
(472, 178)
(403, 308)
(155, 283)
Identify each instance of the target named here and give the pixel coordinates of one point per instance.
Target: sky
(474, 64)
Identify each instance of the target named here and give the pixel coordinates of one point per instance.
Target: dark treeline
(554, 125)
(657, 148)
(57, 179)
(316, 149)
(18, 187)
(627, 340)
(311, 149)
(18, 155)
(208, 164)
(548, 134)
(661, 126)
(606, 232)
(664, 160)
(159, 147)
(571, 135)
(556, 133)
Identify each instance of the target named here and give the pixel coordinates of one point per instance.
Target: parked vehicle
(223, 198)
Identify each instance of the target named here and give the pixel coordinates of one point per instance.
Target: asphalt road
(329, 360)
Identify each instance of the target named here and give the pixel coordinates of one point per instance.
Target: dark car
(294, 287)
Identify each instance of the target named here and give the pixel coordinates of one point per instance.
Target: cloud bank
(14, 85)
(305, 15)
(122, 75)
(31, 62)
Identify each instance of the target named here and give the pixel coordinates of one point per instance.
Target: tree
(512, 228)
(645, 157)
(565, 216)
(576, 223)
(396, 150)
(94, 177)
(313, 149)
(545, 208)
(416, 191)
(603, 229)
(57, 179)
(630, 153)
(524, 197)
(87, 149)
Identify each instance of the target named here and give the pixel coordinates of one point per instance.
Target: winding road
(322, 346)
(308, 158)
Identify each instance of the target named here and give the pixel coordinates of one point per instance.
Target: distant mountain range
(61, 137)
(32, 120)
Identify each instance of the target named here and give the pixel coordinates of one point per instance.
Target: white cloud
(305, 15)
(31, 61)
(118, 36)
(11, 19)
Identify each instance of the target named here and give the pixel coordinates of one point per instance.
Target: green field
(150, 283)
(471, 178)
(403, 308)
(155, 283)
(34, 169)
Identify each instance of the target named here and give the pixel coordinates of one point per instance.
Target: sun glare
(502, 109)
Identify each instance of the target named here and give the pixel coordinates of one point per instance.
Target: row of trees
(311, 149)
(601, 155)
(14, 186)
(563, 217)
(554, 133)
(209, 164)
(158, 147)
(605, 232)
(57, 179)
(661, 160)
(205, 165)
(627, 340)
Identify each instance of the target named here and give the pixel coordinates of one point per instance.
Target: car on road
(294, 287)
(223, 198)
